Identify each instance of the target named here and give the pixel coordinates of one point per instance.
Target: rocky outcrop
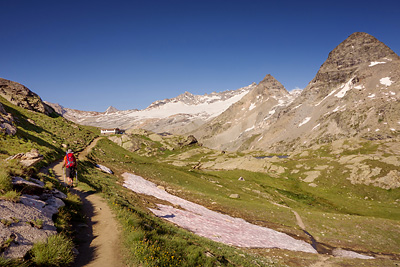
(30, 220)
(6, 122)
(21, 96)
(28, 159)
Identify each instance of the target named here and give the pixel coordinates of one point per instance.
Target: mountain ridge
(185, 110)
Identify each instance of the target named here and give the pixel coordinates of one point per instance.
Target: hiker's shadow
(84, 231)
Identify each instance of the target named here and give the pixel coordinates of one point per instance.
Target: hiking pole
(76, 176)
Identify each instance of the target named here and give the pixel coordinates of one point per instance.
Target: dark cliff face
(21, 96)
(359, 48)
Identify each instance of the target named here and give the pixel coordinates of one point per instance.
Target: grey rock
(26, 235)
(234, 196)
(28, 187)
(104, 168)
(6, 122)
(58, 194)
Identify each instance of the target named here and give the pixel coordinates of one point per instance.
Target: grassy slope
(335, 212)
(47, 134)
(149, 240)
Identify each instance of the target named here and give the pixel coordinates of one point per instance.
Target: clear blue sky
(89, 55)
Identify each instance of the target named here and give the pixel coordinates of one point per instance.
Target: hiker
(70, 166)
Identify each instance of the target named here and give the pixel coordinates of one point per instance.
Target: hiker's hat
(69, 151)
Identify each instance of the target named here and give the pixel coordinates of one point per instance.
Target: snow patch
(392, 129)
(392, 93)
(377, 130)
(338, 108)
(252, 106)
(305, 121)
(371, 96)
(386, 81)
(316, 126)
(213, 225)
(375, 63)
(297, 106)
(346, 87)
(249, 129)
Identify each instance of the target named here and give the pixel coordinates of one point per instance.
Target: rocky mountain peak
(186, 97)
(358, 50)
(271, 86)
(111, 109)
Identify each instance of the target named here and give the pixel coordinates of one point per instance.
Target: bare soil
(99, 237)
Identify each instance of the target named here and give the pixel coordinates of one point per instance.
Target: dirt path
(99, 237)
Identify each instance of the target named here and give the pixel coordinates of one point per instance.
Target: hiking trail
(99, 236)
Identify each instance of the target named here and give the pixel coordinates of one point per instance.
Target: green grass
(5, 181)
(55, 251)
(48, 134)
(12, 262)
(11, 195)
(334, 196)
(150, 241)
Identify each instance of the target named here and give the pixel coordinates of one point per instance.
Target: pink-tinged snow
(375, 63)
(304, 121)
(213, 225)
(386, 81)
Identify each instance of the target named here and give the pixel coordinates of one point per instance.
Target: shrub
(55, 251)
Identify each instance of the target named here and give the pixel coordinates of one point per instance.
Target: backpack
(71, 160)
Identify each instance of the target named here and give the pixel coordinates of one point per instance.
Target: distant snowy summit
(163, 115)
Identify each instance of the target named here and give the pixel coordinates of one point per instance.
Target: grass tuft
(5, 181)
(12, 196)
(55, 251)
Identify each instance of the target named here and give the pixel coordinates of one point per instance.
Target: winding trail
(99, 237)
